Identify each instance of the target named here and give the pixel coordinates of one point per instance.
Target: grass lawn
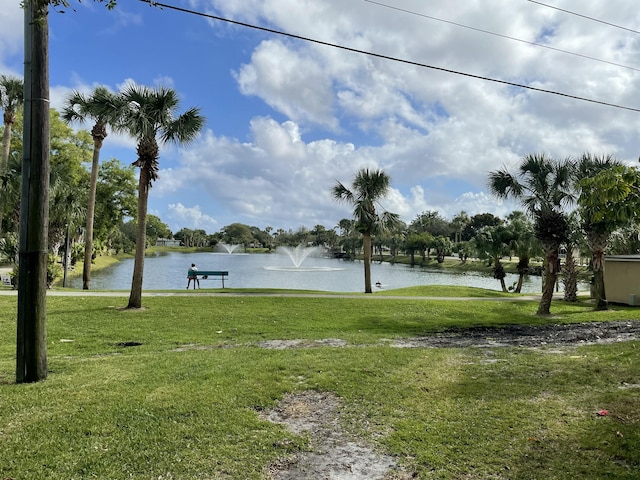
(184, 403)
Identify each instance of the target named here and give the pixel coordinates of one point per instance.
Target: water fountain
(297, 256)
(228, 248)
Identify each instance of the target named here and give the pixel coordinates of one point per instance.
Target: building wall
(622, 279)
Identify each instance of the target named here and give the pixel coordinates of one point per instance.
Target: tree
(150, 116)
(430, 222)
(68, 150)
(101, 106)
(11, 97)
(442, 245)
(367, 189)
(625, 240)
(237, 234)
(156, 228)
(609, 199)
(543, 186)
(420, 242)
(458, 224)
(569, 269)
(493, 243)
(350, 241)
(523, 244)
(115, 197)
(10, 185)
(476, 223)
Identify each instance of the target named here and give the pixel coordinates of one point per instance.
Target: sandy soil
(333, 455)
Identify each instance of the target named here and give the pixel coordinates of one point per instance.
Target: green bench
(205, 274)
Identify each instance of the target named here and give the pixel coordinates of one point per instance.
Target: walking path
(125, 293)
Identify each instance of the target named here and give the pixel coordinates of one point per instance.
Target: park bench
(205, 274)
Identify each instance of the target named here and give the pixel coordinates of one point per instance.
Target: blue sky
(287, 118)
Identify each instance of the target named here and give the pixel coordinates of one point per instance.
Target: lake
(276, 270)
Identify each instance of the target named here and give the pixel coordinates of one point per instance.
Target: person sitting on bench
(193, 275)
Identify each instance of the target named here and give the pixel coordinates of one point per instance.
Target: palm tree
(543, 186)
(569, 270)
(608, 200)
(524, 244)
(102, 107)
(367, 189)
(151, 117)
(11, 98)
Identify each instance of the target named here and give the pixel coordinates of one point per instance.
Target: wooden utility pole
(31, 351)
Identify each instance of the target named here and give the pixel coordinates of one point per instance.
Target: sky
(286, 118)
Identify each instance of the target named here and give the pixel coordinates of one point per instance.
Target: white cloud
(291, 82)
(180, 216)
(11, 34)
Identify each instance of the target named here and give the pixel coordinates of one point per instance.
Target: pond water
(277, 270)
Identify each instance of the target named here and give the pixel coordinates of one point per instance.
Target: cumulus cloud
(290, 81)
(180, 216)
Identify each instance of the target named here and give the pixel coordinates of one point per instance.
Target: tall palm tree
(151, 117)
(543, 186)
(597, 230)
(366, 191)
(103, 108)
(11, 98)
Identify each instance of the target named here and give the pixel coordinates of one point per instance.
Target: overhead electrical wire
(541, 45)
(385, 57)
(586, 16)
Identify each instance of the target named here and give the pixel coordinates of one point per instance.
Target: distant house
(167, 242)
(622, 279)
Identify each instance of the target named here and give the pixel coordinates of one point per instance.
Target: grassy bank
(184, 402)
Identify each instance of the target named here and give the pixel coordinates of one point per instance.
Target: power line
(586, 16)
(386, 57)
(541, 45)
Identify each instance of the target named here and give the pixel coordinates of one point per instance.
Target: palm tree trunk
(135, 297)
(88, 240)
(366, 245)
(597, 252)
(523, 269)
(6, 147)
(570, 278)
(499, 273)
(549, 280)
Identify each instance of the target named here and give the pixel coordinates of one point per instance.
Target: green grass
(160, 411)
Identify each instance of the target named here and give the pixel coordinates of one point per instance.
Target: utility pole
(31, 348)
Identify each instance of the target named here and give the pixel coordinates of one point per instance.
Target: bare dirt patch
(286, 344)
(333, 454)
(576, 334)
